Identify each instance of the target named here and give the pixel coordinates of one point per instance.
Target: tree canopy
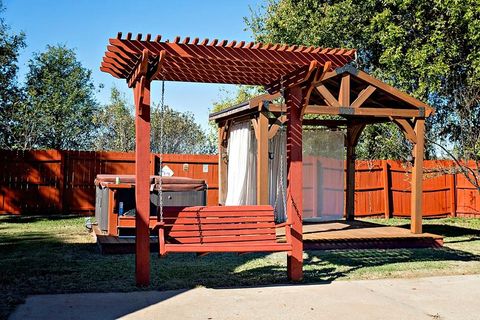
(60, 103)
(427, 48)
(10, 90)
(115, 124)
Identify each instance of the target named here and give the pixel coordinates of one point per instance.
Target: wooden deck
(316, 236)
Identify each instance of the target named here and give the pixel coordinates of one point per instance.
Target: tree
(116, 125)
(10, 92)
(181, 134)
(242, 93)
(60, 103)
(427, 48)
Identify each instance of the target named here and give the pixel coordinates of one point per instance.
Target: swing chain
(281, 191)
(160, 157)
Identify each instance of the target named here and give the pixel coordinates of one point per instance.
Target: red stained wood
(294, 101)
(231, 228)
(31, 182)
(265, 62)
(142, 188)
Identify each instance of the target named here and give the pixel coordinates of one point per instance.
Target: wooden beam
(262, 159)
(353, 133)
(407, 128)
(139, 70)
(222, 167)
(256, 101)
(255, 127)
(393, 91)
(293, 230)
(363, 96)
(364, 111)
(328, 96)
(159, 66)
(272, 131)
(142, 184)
(344, 95)
(294, 78)
(417, 178)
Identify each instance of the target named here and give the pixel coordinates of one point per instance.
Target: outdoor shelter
(357, 99)
(310, 79)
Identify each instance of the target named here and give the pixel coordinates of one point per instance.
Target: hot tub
(177, 192)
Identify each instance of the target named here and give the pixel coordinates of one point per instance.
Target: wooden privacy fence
(46, 181)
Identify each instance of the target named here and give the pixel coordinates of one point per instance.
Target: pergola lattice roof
(215, 61)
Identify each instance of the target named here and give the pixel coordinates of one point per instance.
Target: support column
(350, 177)
(294, 100)
(417, 178)
(222, 166)
(262, 159)
(142, 182)
(353, 134)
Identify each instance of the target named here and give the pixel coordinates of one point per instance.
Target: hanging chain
(281, 191)
(162, 115)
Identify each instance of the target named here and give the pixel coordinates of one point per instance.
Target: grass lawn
(57, 255)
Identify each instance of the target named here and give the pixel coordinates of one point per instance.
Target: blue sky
(86, 25)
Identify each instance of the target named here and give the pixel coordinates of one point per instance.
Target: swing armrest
(158, 225)
(283, 224)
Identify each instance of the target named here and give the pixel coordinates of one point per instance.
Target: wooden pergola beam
(363, 96)
(142, 181)
(294, 233)
(364, 111)
(417, 178)
(262, 159)
(353, 134)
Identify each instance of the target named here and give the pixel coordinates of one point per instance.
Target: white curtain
(277, 173)
(241, 184)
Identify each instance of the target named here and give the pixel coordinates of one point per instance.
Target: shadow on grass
(26, 218)
(40, 262)
(447, 231)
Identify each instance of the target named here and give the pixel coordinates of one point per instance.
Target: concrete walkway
(454, 297)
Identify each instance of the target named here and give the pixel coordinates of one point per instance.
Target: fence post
(453, 196)
(386, 188)
(61, 181)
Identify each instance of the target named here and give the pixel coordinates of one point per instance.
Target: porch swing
(205, 229)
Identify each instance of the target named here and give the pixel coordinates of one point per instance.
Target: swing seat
(204, 229)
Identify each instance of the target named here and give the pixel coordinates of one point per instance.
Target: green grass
(57, 255)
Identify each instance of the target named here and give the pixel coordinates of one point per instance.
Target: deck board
(317, 236)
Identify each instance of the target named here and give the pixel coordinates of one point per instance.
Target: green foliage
(116, 125)
(427, 48)
(60, 105)
(181, 134)
(383, 141)
(242, 94)
(116, 129)
(10, 92)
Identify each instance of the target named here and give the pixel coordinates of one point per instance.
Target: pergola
(302, 71)
(355, 96)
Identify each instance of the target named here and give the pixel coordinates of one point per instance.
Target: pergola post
(353, 133)
(350, 180)
(142, 181)
(294, 101)
(222, 166)
(417, 177)
(262, 159)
